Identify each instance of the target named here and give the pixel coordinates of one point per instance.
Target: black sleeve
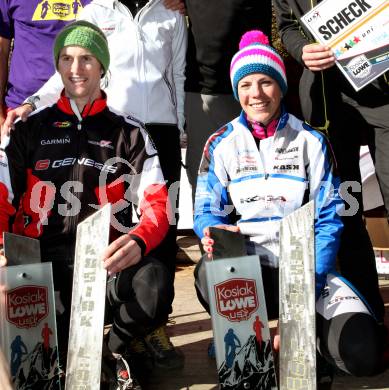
(292, 34)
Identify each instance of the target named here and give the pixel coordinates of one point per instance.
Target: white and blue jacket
(258, 186)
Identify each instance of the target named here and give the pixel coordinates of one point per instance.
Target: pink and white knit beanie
(255, 55)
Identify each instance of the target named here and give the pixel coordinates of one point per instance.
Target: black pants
(354, 119)
(356, 255)
(166, 139)
(139, 300)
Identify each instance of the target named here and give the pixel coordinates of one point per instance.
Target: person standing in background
(33, 26)
(215, 28)
(329, 103)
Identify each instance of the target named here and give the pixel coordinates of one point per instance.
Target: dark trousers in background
(356, 255)
(205, 114)
(166, 139)
(354, 119)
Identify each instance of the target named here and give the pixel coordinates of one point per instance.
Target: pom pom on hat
(255, 55)
(252, 37)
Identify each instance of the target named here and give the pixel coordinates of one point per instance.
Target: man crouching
(66, 161)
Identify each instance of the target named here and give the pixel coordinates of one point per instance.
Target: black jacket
(215, 29)
(57, 170)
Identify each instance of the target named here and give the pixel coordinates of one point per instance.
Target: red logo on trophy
(27, 306)
(236, 299)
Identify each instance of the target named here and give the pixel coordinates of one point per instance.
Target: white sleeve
(179, 61)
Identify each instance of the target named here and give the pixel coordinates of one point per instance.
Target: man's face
(80, 72)
(260, 97)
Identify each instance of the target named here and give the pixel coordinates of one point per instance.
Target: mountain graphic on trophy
(250, 364)
(37, 369)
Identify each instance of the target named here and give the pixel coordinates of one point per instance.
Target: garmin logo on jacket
(55, 141)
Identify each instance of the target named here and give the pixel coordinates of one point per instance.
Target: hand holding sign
(356, 31)
(317, 57)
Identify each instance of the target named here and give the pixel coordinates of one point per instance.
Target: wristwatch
(32, 100)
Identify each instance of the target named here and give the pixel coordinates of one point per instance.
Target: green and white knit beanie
(84, 34)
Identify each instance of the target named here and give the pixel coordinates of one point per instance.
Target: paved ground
(192, 333)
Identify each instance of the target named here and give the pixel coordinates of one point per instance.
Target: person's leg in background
(378, 119)
(167, 142)
(205, 114)
(356, 256)
(166, 139)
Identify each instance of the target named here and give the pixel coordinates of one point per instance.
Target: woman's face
(260, 97)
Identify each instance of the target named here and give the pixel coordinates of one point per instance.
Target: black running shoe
(141, 359)
(162, 350)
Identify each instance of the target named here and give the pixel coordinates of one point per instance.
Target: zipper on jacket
(172, 96)
(142, 10)
(77, 113)
(261, 154)
(76, 168)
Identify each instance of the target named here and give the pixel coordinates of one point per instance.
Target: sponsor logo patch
(102, 143)
(247, 168)
(236, 299)
(55, 141)
(266, 198)
(286, 167)
(340, 298)
(27, 306)
(42, 165)
(286, 150)
(62, 125)
(57, 10)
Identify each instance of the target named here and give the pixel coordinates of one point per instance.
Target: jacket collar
(98, 105)
(283, 120)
